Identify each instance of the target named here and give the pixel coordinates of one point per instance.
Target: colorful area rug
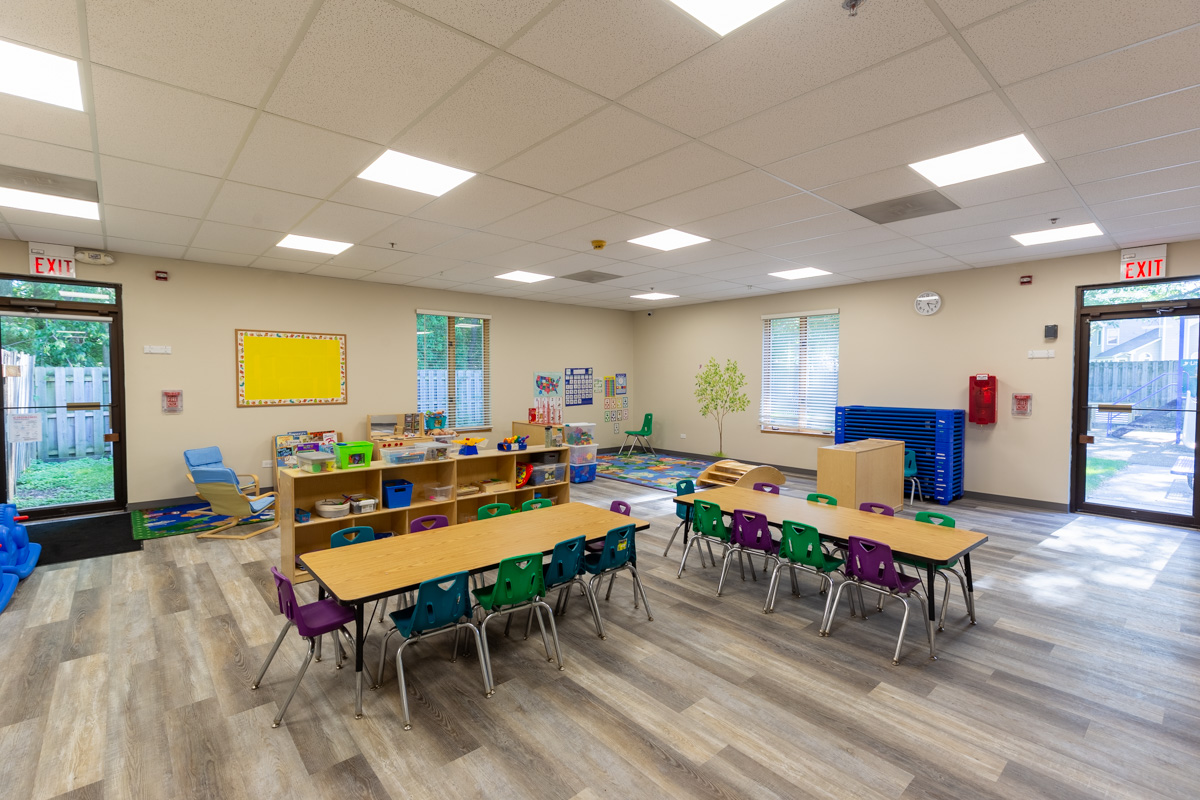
(655, 472)
(155, 523)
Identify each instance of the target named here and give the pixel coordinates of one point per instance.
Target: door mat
(155, 523)
(643, 469)
(65, 540)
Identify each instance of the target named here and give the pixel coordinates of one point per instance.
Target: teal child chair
(910, 475)
(642, 435)
(682, 510)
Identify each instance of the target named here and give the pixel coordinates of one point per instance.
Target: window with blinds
(799, 371)
(454, 367)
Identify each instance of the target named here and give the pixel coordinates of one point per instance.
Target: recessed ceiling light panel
(653, 296)
(523, 277)
(1059, 234)
(314, 245)
(796, 274)
(1005, 155)
(670, 239)
(724, 16)
(40, 76)
(414, 174)
(49, 204)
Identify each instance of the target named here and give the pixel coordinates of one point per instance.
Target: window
(800, 371)
(455, 344)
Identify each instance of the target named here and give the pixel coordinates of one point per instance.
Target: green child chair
(945, 521)
(519, 584)
(494, 510)
(642, 436)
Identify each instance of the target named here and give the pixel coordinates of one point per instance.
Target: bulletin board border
(240, 335)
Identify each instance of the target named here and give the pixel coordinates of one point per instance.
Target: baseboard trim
(1041, 505)
(799, 473)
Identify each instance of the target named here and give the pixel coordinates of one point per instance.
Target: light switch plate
(157, 349)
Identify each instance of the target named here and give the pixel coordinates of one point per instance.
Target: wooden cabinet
(536, 431)
(866, 471)
(303, 489)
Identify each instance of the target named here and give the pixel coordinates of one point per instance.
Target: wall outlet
(683, 436)
(266, 463)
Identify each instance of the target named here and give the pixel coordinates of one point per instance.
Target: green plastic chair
(642, 435)
(824, 499)
(708, 526)
(945, 521)
(535, 503)
(494, 510)
(800, 549)
(519, 584)
(910, 475)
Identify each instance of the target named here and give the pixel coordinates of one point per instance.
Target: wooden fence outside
(1119, 381)
(18, 395)
(72, 433)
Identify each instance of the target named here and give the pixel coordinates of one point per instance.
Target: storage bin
(403, 455)
(354, 454)
(332, 508)
(439, 493)
(583, 473)
(315, 461)
(510, 446)
(397, 493)
(579, 433)
(363, 505)
(548, 473)
(584, 453)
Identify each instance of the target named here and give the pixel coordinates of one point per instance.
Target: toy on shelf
(414, 424)
(513, 443)
(435, 421)
(469, 446)
(524, 472)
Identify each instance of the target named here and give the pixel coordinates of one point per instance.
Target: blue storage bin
(397, 493)
(583, 473)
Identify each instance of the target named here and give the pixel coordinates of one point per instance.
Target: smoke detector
(598, 244)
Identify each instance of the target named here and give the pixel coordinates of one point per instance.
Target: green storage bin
(351, 455)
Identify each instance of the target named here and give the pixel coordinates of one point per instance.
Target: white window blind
(454, 368)
(800, 372)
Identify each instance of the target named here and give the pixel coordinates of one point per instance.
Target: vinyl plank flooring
(204, 763)
(137, 760)
(350, 778)
(87, 626)
(31, 665)
(73, 740)
(52, 600)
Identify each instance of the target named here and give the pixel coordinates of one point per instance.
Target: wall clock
(927, 303)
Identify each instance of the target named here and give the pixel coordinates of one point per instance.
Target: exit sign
(1140, 263)
(51, 260)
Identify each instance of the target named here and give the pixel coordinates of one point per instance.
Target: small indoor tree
(719, 391)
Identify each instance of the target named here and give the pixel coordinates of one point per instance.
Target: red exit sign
(51, 260)
(1141, 263)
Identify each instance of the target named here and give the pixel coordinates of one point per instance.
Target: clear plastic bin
(579, 433)
(548, 473)
(402, 455)
(439, 493)
(584, 453)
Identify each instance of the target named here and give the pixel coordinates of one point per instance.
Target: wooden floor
(128, 677)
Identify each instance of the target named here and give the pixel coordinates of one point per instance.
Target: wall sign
(1140, 263)
(172, 401)
(1022, 405)
(24, 428)
(57, 260)
(578, 386)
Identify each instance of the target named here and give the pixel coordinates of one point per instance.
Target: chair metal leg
(383, 604)
(383, 658)
(674, 533)
(535, 611)
(271, 655)
(400, 682)
(769, 604)
(837, 597)
(725, 568)
(487, 656)
(350, 640)
(483, 666)
(303, 668)
(638, 589)
(553, 632)
(683, 561)
(318, 658)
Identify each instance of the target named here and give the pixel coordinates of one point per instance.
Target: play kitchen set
(349, 488)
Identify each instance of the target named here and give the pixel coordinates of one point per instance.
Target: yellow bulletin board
(283, 368)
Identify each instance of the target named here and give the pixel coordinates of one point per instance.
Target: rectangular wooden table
(917, 540)
(357, 574)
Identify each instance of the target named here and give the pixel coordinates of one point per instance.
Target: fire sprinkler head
(852, 6)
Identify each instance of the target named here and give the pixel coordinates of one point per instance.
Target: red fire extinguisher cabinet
(981, 405)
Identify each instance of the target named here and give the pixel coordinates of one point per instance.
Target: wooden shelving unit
(303, 489)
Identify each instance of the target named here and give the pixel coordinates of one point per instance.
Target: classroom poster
(622, 383)
(547, 384)
(578, 386)
(610, 385)
(24, 428)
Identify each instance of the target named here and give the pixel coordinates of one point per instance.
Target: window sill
(815, 434)
(472, 430)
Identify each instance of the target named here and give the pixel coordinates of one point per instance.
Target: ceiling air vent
(591, 276)
(915, 205)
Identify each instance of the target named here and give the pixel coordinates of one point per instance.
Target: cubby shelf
(299, 489)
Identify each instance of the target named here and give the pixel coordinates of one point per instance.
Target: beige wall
(197, 311)
(892, 356)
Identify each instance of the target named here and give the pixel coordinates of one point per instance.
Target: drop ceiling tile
(1036, 253)
(581, 262)
(56, 235)
(18, 217)
(480, 201)
(35, 155)
(646, 280)
(149, 226)
(1182, 198)
(524, 257)
(225, 48)
(6, 232)
(972, 122)
(424, 266)
(506, 107)
(964, 12)
(612, 229)
(989, 212)
(560, 287)
(907, 270)
(966, 251)
(921, 80)
(256, 207)
(611, 47)
(719, 197)
(685, 255)
(218, 257)
(783, 54)
(44, 122)
(1029, 180)
(1035, 222)
(743, 259)
(153, 249)
(427, 283)
(606, 142)
(1135, 122)
(1171, 233)
(469, 273)
(394, 279)
(749, 274)
(1162, 180)
(670, 173)
(907, 260)
(342, 223)
(495, 23)
(380, 197)
(414, 235)
(148, 121)
(1168, 151)
(333, 271)
(1043, 36)
(846, 254)
(234, 238)
(45, 24)
(886, 184)
(764, 215)
(281, 265)
(368, 258)
(474, 246)
(1157, 219)
(1156, 67)
(804, 253)
(292, 254)
(397, 62)
(286, 155)
(556, 215)
(837, 222)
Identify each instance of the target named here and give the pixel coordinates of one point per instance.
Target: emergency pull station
(981, 406)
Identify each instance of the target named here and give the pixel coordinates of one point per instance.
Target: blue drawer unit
(936, 435)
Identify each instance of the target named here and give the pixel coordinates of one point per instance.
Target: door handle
(1085, 439)
(83, 406)
(1115, 408)
(112, 437)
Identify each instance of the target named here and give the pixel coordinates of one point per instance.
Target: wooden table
(866, 471)
(917, 540)
(357, 574)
